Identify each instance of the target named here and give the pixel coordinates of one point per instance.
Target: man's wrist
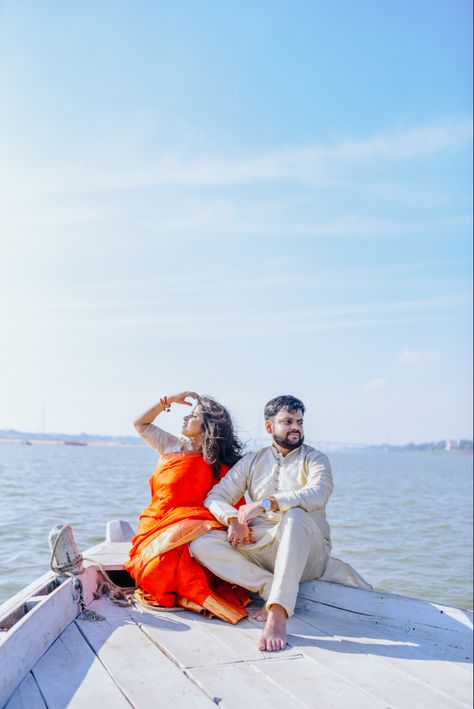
(269, 504)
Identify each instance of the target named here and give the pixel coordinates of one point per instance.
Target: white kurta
(302, 479)
(291, 545)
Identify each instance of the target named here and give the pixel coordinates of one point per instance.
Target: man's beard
(285, 443)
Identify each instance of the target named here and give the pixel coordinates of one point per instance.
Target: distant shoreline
(61, 442)
(8, 437)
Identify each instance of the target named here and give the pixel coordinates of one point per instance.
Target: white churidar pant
(283, 554)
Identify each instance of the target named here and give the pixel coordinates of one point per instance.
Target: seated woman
(160, 562)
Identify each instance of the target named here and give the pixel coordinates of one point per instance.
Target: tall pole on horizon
(41, 419)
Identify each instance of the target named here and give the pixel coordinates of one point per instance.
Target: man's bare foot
(261, 614)
(273, 637)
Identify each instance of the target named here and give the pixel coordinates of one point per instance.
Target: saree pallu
(164, 571)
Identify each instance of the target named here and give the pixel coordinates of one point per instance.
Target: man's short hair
(283, 402)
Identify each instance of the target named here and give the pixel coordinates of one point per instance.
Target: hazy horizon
(256, 439)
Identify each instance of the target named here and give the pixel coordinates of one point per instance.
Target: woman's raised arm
(141, 422)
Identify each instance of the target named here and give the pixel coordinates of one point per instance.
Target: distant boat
(74, 443)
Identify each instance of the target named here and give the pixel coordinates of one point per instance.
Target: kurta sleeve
(161, 441)
(229, 490)
(317, 489)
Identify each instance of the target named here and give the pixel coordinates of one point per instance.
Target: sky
(244, 199)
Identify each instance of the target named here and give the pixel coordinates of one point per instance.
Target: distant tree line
(462, 444)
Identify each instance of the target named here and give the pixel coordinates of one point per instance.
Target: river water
(403, 520)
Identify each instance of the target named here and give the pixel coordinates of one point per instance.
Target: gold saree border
(173, 536)
(222, 609)
(212, 606)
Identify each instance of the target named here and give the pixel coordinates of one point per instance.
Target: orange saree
(164, 571)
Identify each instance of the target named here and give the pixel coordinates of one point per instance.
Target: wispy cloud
(142, 307)
(412, 143)
(376, 384)
(416, 357)
(322, 165)
(316, 164)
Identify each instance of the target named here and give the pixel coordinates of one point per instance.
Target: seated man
(281, 537)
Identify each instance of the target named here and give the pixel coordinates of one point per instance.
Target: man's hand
(239, 534)
(248, 512)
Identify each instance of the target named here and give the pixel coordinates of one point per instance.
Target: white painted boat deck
(346, 648)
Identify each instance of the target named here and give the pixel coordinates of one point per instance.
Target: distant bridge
(337, 445)
(255, 443)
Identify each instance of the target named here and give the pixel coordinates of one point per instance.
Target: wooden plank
(110, 555)
(183, 639)
(369, 635)
(284, 683)
(192, 640)
(388, 682)
(401, 609)
(243, 638)
(26, 641)
(443, 676)
(394, 650)
(145, 675)
(242, 685)
(351, 659)
(314, 685)
(70, 675)
(27, 695)
(446, 646)
(38, 587)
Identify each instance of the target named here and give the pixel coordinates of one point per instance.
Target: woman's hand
(150, 415)
(239, 534)
(181, 398)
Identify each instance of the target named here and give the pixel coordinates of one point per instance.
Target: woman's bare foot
(261, 614)
(273, 637)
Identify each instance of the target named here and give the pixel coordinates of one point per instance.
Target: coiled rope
(120, 596)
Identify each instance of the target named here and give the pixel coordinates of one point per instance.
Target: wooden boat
(347, 647)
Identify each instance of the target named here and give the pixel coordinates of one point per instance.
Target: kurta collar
(282, 458)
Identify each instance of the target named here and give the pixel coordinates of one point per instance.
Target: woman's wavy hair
(219, 442)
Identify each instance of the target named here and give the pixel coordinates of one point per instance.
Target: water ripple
(403, 520)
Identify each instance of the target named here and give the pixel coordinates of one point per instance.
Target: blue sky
(245, 199)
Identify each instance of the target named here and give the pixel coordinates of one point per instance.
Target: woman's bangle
(165, 403)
